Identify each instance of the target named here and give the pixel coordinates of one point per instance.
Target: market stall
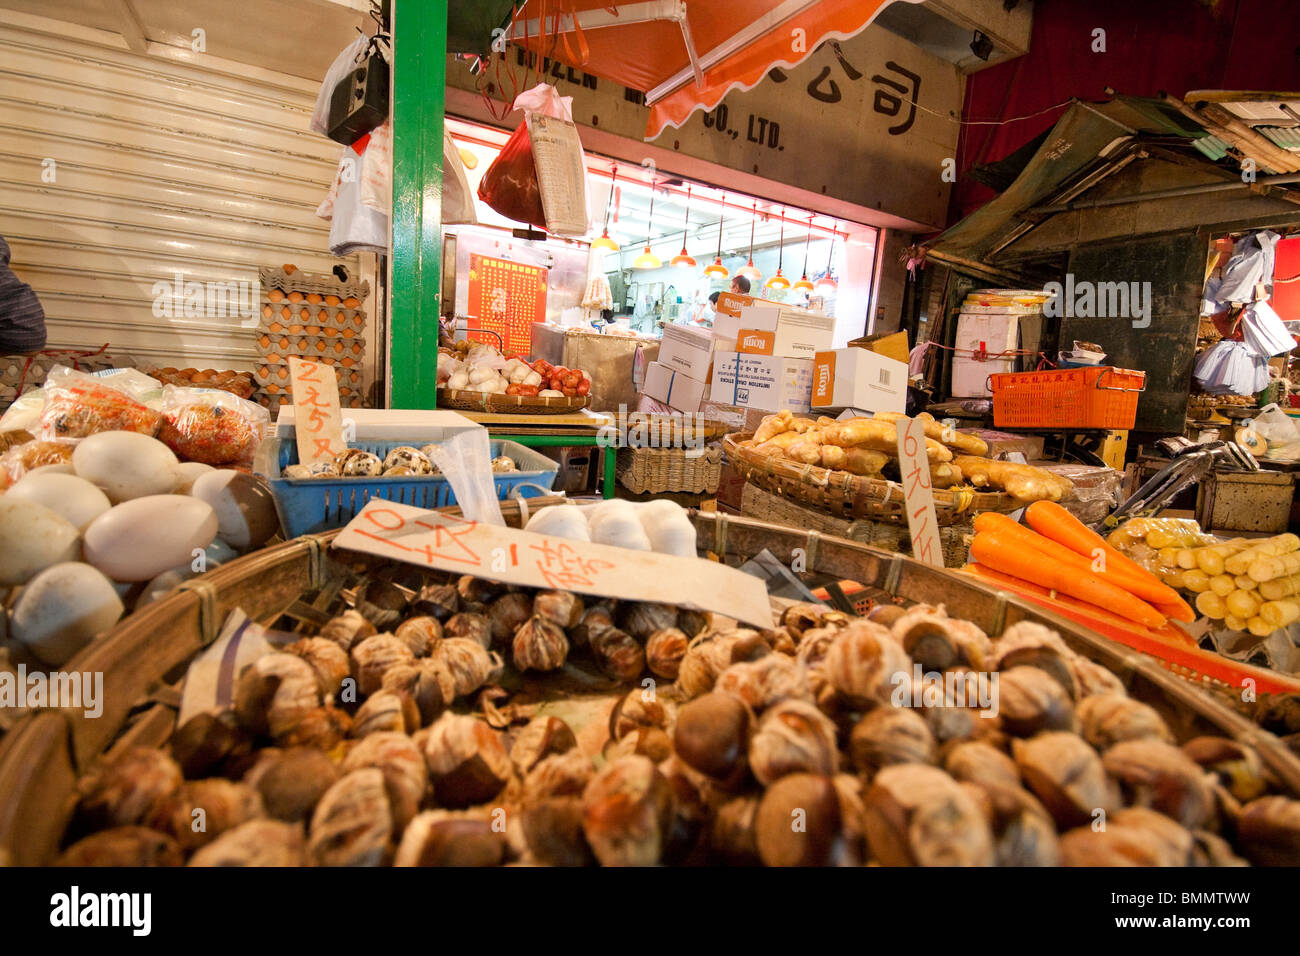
(799, 587)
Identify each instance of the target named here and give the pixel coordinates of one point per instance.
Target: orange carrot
(1050, 519)
(1100, 615)
(1146, 587)
(1179, 610)
(1011, 556)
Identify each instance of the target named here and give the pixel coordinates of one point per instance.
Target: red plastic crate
(1096, 397)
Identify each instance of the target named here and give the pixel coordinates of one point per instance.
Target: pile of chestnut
(814, 742)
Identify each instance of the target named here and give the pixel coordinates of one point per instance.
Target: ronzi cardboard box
(675, 389)
(727, 313)
(797, 333)
(687, 349)
(769, 382)
(857, 378)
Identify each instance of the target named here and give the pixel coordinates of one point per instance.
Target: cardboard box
(736, 417)
(857, 378)
(798, 333)
(890, 344)
(769, 382)
(756, 342)
(730, 303)
(687, 349)
(729, 322)
(675, 389)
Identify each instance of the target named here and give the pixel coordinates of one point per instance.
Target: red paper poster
(506, 298)
(1286, 279)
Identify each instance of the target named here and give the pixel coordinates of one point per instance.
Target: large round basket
(853, 496)
(468, 401)
(144, 658)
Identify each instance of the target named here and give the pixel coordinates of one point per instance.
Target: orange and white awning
(686, 55)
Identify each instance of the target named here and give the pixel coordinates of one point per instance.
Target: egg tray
(274, 388)
(287, 316)
(277, 374)
(310, 346)
(312, 282)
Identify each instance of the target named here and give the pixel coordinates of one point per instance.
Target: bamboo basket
(468, 400)
(854, 496)
(885, 535)
(142, 658)
(655, 470)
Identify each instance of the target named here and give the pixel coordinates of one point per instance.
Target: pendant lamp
(604, 242)
(779, 281)
(827, 281)
(805, 284)
(647, 259)
(684, 260)
(748, 270)
(717, 270)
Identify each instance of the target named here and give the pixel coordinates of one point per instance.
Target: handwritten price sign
(318, 423)
(922, 522)
(451, 543)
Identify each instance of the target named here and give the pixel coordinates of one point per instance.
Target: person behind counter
(739, 285)
(22, 320)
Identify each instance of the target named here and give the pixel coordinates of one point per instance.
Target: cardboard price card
(922, 522)
(318, 422)
(451, 543)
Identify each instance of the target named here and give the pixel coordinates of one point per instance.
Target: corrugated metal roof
(1288, 137)
(1213, 147)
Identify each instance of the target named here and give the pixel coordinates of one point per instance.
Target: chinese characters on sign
(318, 422)
(506, 298)
(914, 466)
(888, 101)
(452, 543)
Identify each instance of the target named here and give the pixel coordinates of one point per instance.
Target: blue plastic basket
(309, 505)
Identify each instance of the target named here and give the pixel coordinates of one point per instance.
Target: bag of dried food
(211, 426)
(78, 405)
(18, 460)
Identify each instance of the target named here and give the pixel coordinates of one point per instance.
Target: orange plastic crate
(1097, 397)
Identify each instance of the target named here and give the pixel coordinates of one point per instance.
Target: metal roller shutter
(119, 170)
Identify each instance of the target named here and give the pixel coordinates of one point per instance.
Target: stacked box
(311, 316)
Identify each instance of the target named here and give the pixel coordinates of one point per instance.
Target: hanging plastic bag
(343, 64)
(1263, 330)
(465, 460)
(457, 199)
(511, 185)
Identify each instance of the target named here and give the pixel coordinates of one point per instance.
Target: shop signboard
(871, 120)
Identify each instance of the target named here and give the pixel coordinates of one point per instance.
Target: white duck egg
(33, 537)
(62, 609)
(126, 465)
(75, 498)
(186, 474)
(140, 539)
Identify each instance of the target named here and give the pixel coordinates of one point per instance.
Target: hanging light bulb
(604, 242)
(779, 281)
(647, 259)
(827, 282)
(683, 260)
(749, 271)
(717, 270)
(805, 284)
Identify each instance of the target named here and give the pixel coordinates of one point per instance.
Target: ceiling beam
(132, 29)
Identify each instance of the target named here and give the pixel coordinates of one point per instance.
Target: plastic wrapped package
(78, 405)
(211, 426)
(1096, 489)
(20, 459)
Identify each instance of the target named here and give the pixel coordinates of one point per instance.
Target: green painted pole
(419, 95)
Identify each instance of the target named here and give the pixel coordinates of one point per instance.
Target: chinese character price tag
(318, 423)
(918, 496)
(447, 542)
